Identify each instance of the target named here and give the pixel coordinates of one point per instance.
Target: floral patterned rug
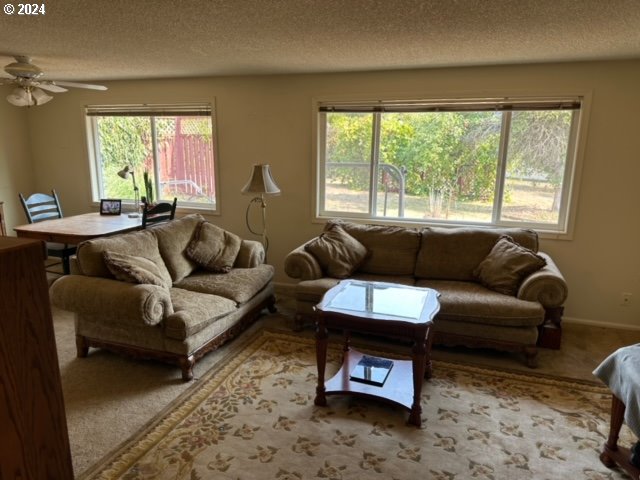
(253, 417)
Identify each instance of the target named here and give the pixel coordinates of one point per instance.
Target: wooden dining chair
(158, 213)
(41, 206)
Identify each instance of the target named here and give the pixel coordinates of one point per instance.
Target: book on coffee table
(371, 370)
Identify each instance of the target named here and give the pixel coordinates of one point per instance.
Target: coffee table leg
(428, 371)
(347, 343)
(419, 361)
(322, 336)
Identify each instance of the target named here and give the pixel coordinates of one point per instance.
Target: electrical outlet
(625, 299)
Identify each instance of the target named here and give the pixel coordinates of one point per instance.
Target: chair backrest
(158, 213)
(41, 206)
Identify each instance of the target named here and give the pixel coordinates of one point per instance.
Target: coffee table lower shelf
(397, 389)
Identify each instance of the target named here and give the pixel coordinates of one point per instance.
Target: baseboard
(599, 323)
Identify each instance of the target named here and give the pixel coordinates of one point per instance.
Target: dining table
(78, 228)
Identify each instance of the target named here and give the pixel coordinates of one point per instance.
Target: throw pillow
(507, 265)
(135, 269)
(337, 252)
(213, 248)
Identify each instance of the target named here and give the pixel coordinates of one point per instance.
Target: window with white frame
(506, 162)
(170, 148)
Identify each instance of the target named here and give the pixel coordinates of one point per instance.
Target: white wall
(268, 119)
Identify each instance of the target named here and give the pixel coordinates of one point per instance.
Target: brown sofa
(447, 260)
(179, 322)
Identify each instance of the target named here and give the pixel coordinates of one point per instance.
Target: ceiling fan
(30, 89)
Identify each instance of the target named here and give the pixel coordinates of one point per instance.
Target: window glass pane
(185, 159)
(174, 152)
(446, 161)
(472, 163)
(122, 141)
(536, 160)
(348, 162)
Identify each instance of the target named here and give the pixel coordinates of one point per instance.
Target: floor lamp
(261, 182)
(124, 173)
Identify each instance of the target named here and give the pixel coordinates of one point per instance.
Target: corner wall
(268, 119)
(16, 172)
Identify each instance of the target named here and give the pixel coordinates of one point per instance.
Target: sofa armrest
(113, 300)
(546, 286)
(251, 254)
(302, 265)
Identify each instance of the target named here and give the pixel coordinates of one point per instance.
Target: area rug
(253, 417)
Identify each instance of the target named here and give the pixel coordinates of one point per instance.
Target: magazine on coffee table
(371, 370)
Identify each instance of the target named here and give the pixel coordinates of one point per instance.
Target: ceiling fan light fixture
(39, 97)
(20, 98)
(31, 90)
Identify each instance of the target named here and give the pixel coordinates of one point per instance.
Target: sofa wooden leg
(271, 306)
(550, 332)
(531, 356)
(186, 364)
(82, 346)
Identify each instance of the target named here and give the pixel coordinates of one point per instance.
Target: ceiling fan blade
(51, 87)
(79, 85)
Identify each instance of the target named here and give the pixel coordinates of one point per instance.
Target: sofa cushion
(455, 253)
(194, 311)
(392, 250)
(89, 254)
(474, 303)
(173, 238)
(137, 269)
(239, 285)
(337, 252)
(506, 265)
(213, 248)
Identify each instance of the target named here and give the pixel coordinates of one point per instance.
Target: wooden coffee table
(378, 308)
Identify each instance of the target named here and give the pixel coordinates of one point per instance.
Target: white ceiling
(129, 39)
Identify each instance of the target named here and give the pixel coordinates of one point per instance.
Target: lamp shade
(127, 172)
(39, 97)
(261, 181)
(124, 173)
(28, 96)
(20, 98)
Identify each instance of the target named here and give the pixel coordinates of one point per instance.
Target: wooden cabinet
(34, 443)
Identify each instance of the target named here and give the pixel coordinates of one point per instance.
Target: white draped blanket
(620, 371)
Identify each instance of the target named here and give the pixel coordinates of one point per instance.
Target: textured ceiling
(127, 39)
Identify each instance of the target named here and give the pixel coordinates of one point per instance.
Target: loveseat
(172, 292)
(497, 290)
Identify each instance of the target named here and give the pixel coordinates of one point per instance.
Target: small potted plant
(148, 188)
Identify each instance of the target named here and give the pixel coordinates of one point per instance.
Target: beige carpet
(109, 397)
(252, 416)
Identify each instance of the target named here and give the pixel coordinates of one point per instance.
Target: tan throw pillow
(213, 248)
(507, 265)
(337, 252)
(134, 269)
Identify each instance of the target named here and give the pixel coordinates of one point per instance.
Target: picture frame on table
(110, 206)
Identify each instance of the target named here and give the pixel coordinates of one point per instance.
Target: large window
(171, 146)
(494, 162)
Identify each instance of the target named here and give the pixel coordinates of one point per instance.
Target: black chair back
(158, 213)
(41, 206)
